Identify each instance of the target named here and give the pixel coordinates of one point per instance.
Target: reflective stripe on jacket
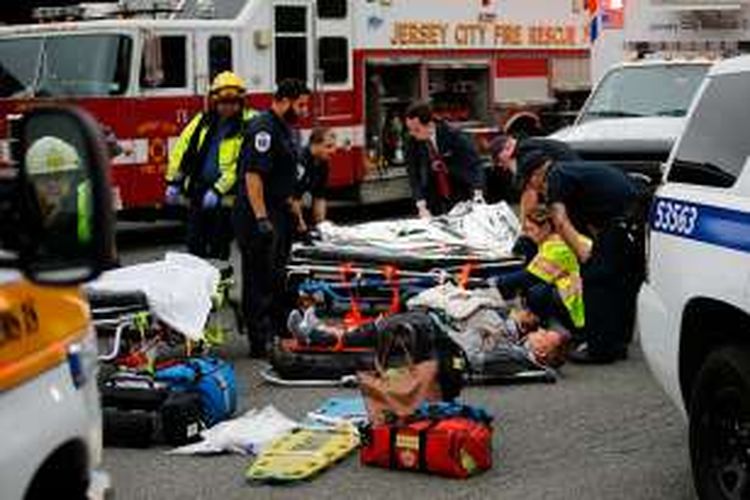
(229, 151)
(556, 264)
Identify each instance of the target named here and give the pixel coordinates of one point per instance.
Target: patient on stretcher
(493, 337)
(486, 333)
(311, 331)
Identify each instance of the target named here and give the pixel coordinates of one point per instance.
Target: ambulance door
(216, 51)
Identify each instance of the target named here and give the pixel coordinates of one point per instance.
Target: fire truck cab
(144, 68)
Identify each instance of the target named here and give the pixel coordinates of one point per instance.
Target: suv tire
(720, 426)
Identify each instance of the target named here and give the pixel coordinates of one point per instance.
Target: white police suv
(694, 309)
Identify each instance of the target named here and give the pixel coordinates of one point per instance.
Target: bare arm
(529, 201)
(320, 208)
(295, 205)
(254, 186)
(575, 240)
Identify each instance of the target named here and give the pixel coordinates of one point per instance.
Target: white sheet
(179, 289)
(484, 230)
(248, 434)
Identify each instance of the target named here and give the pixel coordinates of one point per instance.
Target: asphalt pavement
(598, 433)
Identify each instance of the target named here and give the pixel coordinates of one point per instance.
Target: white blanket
(484, 230)
(459, 304)
(178, 289)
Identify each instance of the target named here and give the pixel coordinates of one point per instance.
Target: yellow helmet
(49, 155)
(227, 85)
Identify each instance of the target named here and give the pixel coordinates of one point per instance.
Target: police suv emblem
(262, 142)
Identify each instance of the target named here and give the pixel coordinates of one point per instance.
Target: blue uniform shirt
(270, 151)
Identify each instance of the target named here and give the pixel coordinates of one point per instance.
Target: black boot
(585, 356)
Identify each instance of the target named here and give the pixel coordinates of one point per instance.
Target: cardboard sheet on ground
(179, 289)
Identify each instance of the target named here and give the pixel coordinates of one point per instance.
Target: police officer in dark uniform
(595, 200)
(264, 222)
(444, 167)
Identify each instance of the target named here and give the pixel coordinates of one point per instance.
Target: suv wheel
(720, 426)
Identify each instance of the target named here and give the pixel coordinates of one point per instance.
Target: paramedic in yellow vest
(203, 167)
(551, 282)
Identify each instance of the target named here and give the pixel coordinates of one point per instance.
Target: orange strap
(465, 274)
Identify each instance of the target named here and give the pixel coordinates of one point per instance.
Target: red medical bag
(453, 447)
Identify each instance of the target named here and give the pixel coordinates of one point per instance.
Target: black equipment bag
(181, 418)
(138, 412)
(128, 428)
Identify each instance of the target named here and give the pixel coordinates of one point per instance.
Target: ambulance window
(171, 63)
(291, 42)
(219, 55)
(716, 143)
(333, 54)
(331, 9)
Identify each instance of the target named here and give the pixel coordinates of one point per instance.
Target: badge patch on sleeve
(262, 142)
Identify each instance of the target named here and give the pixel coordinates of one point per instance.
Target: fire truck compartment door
(571, 74)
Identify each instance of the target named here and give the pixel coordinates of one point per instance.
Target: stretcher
(303, 454)
(129, 325)
(294, 364)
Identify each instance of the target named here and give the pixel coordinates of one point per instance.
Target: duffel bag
(213, 379)
(456, 447)
(182, 418)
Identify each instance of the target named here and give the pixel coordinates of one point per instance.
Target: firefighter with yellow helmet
(63, 196)
(203, 167)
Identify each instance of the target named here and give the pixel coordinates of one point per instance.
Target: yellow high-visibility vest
(557, 264)
(229, 152)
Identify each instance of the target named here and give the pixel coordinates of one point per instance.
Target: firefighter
(62, 195)
(312, 178)
(444, 167)
(264, 222)
(203, 167)
(593, 200)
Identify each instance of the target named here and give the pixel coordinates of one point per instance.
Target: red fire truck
(484, 64)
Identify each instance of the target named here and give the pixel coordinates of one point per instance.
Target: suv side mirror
(66, 210)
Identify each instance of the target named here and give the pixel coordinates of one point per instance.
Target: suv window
(716, 142)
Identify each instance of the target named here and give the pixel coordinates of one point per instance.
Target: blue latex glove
(172, 195)
(211, 199)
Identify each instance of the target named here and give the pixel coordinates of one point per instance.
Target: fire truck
(143, 69)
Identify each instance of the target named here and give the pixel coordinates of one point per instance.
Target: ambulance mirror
(65, 196)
